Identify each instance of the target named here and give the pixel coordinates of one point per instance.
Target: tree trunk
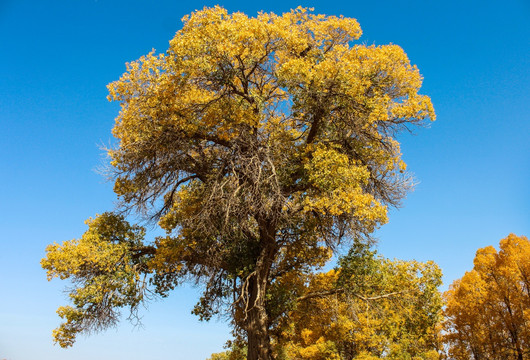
(257, 325)
(257, 329)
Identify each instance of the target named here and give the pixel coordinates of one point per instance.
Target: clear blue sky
(472, 165)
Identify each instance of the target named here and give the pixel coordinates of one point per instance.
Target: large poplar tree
(259, 145)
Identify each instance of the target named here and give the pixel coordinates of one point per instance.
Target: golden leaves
(489, 299)
(105, 266)
(338, 188)
(384, 309)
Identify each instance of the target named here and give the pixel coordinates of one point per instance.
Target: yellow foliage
(487, 312)
(369, 308)
(259, 144)
(101, 264)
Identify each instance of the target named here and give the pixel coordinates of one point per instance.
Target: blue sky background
(472, 165)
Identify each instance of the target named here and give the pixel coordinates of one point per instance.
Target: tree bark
(257, 327)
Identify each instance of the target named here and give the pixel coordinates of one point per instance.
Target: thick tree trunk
(257, 325)
(257, 329)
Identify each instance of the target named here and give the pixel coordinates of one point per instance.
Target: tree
(259, 145)
(236, 351)
(488, 309)
(368, 307)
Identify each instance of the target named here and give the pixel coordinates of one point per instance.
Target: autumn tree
(368, 307)
(488, 309)
(259, 145)
(236, 351)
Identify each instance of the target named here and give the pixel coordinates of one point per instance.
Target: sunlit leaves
(106, 266)
(368, 308)
(487, 313)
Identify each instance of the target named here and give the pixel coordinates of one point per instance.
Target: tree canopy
(488, 309)
(260, 145)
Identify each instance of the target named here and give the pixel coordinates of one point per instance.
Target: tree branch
(322, 294)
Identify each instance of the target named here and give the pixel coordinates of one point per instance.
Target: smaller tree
(368, 307)
(236, 351)
(488, 309)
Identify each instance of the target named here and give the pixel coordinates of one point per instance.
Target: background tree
(259, 145)
(236, 351)
(368, 307)
(488, 309)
